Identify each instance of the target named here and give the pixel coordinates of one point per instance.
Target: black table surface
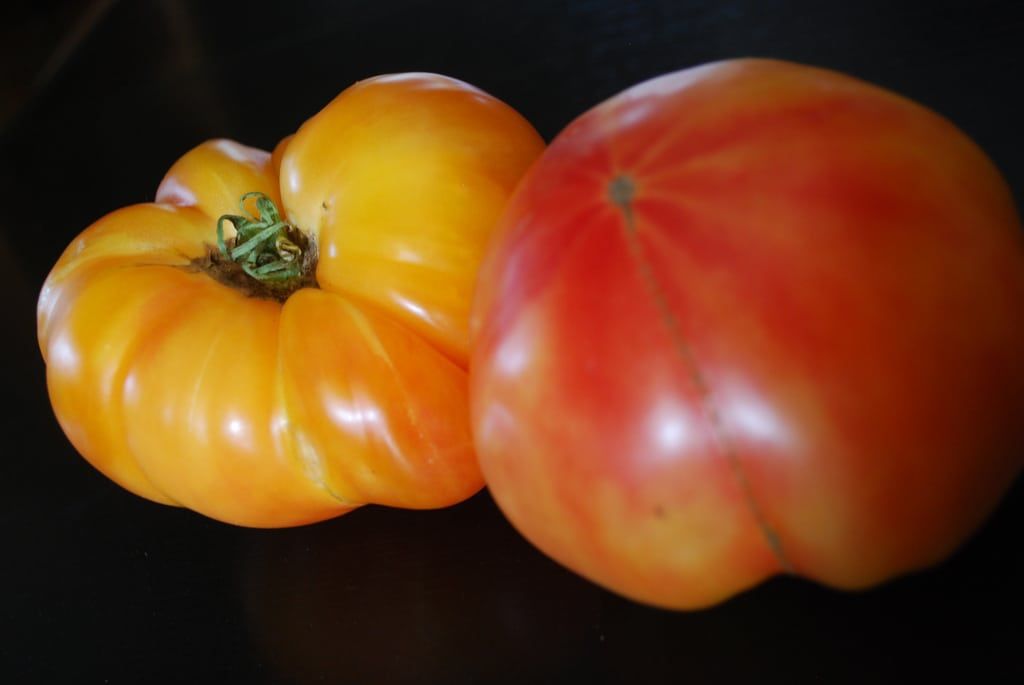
(100, 586)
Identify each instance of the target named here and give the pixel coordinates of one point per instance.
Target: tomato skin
(256, 412)
(751, 318)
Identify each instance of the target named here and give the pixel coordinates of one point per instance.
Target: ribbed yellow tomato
(340, 380)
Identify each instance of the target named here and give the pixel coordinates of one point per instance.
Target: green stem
(267, 257)
(265, 246)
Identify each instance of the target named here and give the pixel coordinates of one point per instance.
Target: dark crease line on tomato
(414, 422)
(621, 191)
(294, 439)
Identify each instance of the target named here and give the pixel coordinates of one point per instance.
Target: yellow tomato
(338, 381)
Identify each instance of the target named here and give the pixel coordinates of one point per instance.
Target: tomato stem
(264, 246)
(267, 257)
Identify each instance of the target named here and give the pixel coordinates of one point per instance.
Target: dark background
(99, 586)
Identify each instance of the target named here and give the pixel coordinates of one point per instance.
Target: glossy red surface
(752, 318)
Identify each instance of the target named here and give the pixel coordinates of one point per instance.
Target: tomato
(746, 319)
(312, 356)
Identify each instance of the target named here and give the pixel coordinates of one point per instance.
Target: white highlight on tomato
(62, 352)
(748, 416)
(671, 426)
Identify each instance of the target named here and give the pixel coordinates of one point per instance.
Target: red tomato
(751, 318)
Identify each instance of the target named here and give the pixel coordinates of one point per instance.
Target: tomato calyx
(621, 191)
(267, 257)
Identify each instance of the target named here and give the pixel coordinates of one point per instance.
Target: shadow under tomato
(456, 595)
(384, 595)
